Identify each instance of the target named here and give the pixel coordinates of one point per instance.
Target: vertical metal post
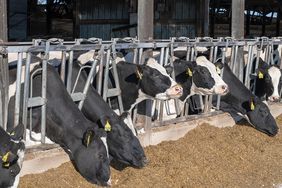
(63, 66)
(4, 87)
(100, 73)
(26, 90)
(70, 72)
(18, 89)
(106, 75)
(44, 92)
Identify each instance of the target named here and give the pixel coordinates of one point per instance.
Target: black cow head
(91, 157)
(155, 82)
(123, 145)
(11, 156)
(260, 116)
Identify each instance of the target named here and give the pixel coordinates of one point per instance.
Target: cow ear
(88, 137)
(17, 133)
(139, 72)
(8, 158)
(168, 69)
(105, 123)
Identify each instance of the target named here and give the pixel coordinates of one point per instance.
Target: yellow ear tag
(5, 160)
(189, 72)
(218, 70)
(260, 75)
(108, 127)
(252, 106)
(5, 157)
(12, 133)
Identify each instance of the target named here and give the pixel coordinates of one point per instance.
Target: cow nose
(224, 88)
(178, 88)
(274, 98)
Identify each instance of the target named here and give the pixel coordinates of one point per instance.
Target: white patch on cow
(119, 59)
(129, 123)
(37, 137)
(219, 83)
(104, 140)
(275, 75)
(117, 111)
(86, 57)
(16, 181)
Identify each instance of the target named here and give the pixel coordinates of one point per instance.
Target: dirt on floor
(206, 157)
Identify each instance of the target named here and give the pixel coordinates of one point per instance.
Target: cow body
(123, 145)
(67, 126)
(11, 156)
(241, 101)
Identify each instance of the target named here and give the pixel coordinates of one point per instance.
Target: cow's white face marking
(220, 86)
(275, 75)
(129, 123)
(104, 140)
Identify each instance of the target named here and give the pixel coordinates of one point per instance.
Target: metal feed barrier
(104, 59)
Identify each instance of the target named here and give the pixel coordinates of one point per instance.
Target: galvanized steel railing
(106, 58)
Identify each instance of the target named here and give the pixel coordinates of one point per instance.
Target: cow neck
(238, 93)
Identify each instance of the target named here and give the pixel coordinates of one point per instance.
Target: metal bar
(88, 82)
(100, 73)
(26, 91)
(69, 84)
(44, 93)
(18, 90)
(106, 75)
(63, 66)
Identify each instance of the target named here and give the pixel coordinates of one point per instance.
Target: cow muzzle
(175, 91)
(221, 89)
(274, 98)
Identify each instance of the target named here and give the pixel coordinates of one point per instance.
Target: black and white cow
(198, 77)
(268, 81)
(11, 156)
(241, 101)
(123, 145)
(82, 139)
(149, 81)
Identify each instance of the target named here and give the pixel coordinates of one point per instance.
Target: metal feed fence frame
(106, 58)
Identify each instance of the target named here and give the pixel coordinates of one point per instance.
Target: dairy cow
(11, 156)
(82, 139)
(123, 145)
(241, 101)
(268, 81)
(198, 77)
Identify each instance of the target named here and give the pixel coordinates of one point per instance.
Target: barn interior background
(71, 19)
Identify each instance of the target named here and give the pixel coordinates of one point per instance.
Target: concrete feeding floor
(40, 161)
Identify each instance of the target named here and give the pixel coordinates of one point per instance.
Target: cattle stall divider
(106, 61)
(4, 87)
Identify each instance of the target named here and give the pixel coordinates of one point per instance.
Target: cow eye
(101, 156)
